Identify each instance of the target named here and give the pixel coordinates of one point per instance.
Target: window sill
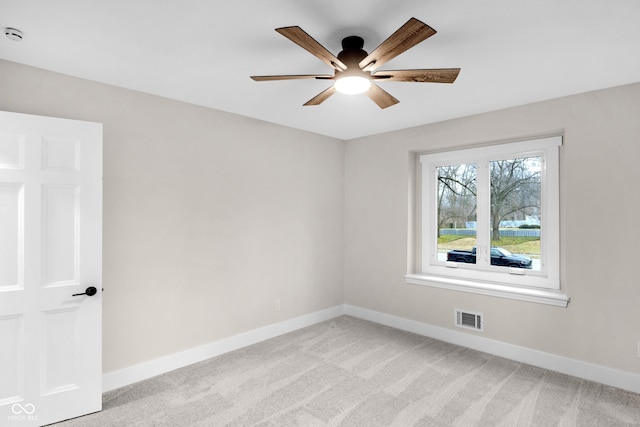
(540, 296)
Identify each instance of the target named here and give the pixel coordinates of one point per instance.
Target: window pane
(457, 210)
(515, 213)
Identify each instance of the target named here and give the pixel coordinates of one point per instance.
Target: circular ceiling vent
(13, 34)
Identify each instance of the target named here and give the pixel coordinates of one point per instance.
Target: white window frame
(529, 285)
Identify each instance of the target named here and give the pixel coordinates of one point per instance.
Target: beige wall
(208, 216)
(599, 234)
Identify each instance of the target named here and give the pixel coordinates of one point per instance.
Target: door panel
(11, 150)
(11, 357)
(58, 344)
(59, 237)
(11, 232)
(51, 248)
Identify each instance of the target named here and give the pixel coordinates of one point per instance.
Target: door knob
(90, 291)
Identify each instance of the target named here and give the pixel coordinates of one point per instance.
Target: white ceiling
(511, 52)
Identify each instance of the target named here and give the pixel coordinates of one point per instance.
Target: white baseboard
(589, 371)
(142, 371)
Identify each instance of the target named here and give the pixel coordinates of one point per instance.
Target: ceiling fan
(354, 70)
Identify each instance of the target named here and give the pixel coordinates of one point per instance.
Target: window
(489, 220)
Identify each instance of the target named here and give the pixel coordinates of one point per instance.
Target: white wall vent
(469, 320)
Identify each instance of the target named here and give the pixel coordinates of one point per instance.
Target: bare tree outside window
(515, 192)
(456, 195)
(457, 205)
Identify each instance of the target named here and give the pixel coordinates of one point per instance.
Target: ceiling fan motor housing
(351, 55)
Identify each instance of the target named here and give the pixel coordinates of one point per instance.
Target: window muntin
(533, 201)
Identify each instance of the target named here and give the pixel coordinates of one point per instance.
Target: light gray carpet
(349, 372)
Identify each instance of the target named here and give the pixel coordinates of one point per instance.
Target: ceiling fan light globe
(352, 85)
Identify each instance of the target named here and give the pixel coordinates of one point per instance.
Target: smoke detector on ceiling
(13, 34)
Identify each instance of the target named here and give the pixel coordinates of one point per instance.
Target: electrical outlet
(276, 305)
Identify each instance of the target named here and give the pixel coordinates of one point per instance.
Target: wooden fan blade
(441, 75)
(405, 37)
(293, 77)
(381, 97)
(321, 97)
(305, 41)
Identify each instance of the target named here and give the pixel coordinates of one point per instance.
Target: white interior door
(50, 249)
